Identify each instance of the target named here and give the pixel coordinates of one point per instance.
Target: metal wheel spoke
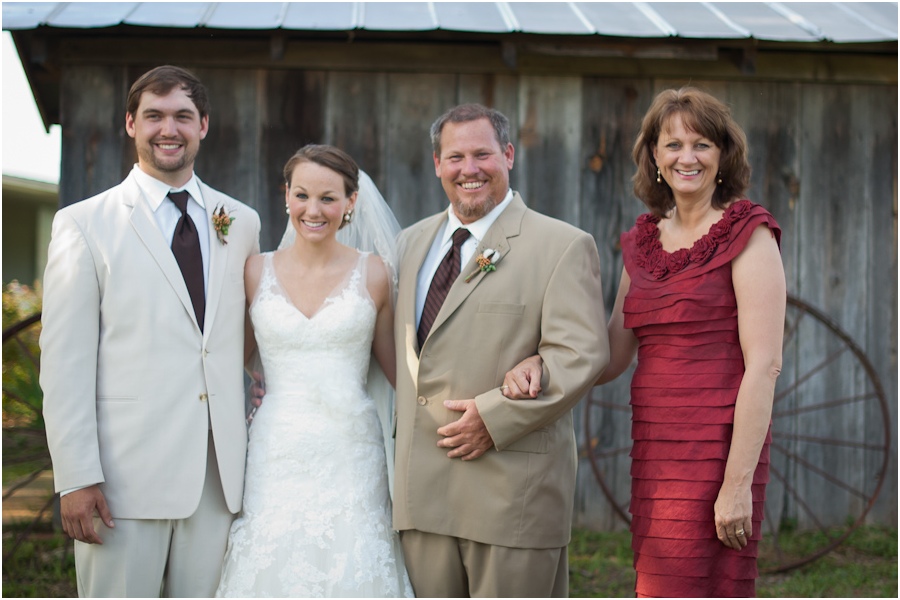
(774, 470)
(825, 474)
(790, 331)
(613, 452)
(827, 441)
(613, 405)
(824, 405)
(828, 360)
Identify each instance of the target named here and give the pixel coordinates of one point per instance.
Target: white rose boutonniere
(486, 262)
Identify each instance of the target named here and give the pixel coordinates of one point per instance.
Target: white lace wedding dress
(316, 519)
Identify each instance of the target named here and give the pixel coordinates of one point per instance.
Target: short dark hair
(470, 112)
(329, 157)
(703, 114)
(164, 79)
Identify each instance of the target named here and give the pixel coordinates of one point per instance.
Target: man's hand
(257, 391)
(77, 510)
(468, 437)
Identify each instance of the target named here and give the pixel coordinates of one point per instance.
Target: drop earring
(287, 209)
(658, 176)
(719, 179)
(348, 216)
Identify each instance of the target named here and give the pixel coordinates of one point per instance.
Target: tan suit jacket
(544, 297)
(131, 386)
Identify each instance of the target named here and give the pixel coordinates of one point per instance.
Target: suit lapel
(218, 258)
(507, 226)
(144, 224)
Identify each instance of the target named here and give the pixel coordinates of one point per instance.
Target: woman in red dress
(701, 301)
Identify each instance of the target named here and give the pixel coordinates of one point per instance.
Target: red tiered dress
(682, 308)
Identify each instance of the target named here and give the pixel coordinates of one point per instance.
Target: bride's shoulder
(253, 271)
(377, 278)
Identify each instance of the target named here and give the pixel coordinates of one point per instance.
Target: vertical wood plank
(287, 114)
(355, 118)
(612, 113)
(414, 102)
(548, 156)
(94, 141)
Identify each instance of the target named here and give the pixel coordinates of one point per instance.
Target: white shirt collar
(478, 228)
(156, 190)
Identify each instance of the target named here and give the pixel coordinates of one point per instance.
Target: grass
(865, 565)
(42, 566)
(599, 563)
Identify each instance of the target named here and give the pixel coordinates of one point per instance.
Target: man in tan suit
(484, 484)
(142, 359)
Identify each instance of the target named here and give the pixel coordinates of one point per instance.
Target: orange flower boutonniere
(221, 221)
(486, 262)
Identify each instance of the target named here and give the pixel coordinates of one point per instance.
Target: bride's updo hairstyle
(703, 114)
(329, 157)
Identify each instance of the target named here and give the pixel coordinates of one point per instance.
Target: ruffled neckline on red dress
(651, 256)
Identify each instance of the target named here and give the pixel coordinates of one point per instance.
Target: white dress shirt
(444, 241)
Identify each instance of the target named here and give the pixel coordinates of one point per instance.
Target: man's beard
(472, 213)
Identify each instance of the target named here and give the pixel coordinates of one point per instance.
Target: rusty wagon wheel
(830, 441)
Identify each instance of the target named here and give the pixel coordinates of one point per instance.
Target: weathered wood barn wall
(821, 119)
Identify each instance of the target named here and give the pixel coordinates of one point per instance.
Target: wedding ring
(504, 387)
(739, 532)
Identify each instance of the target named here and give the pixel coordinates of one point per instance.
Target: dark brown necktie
(446, 274)
(186, 248)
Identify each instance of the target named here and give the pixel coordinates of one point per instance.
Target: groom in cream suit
(485, 485)
(142, 356)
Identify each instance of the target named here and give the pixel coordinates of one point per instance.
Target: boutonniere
(486, 262)
(221, 221)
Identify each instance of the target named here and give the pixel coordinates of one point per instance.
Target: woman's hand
(733, 510)
(524, 380)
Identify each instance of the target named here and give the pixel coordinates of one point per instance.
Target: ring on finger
(504, 387)
(739, 532)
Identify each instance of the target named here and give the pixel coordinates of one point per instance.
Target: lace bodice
(336, 339)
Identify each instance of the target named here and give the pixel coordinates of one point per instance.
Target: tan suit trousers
(442, 566)
(149, 558)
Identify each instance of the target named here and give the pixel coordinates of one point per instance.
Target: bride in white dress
(316, 519)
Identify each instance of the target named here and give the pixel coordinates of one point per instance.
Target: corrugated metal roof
(775, 21)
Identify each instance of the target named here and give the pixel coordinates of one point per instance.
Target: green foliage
(22, 398)
(24, 442)
(865, 565)
(600, 565)
(42, 566)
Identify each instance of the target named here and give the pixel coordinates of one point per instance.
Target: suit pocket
(503, 308)
(537, 442)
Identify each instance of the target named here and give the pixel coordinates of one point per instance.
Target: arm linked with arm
(573, 346)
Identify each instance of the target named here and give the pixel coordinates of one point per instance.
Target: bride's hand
(524, 380)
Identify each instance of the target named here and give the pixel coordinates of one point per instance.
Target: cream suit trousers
(132, 561)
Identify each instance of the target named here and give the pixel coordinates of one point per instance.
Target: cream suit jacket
(131, 386)
(544, 297)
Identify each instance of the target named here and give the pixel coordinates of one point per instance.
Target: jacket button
(422, 400)
(203, 397)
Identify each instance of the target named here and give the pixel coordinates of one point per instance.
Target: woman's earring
(719, 180)
(658, 176)
(287, 209)
(348, 216)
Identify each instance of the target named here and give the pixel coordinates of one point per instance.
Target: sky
(28, 150)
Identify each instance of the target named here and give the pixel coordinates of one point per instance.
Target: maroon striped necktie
(446, 274)
(186, 248)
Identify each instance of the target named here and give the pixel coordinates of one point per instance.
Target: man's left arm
(573, 346)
